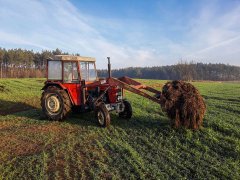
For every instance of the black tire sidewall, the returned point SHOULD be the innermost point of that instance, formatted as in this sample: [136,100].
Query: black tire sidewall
[127,113]
[59,116]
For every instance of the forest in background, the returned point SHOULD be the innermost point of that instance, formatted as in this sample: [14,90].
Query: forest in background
[181,71]
[20,63]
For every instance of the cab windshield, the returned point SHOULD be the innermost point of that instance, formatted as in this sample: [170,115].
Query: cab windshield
[88,71]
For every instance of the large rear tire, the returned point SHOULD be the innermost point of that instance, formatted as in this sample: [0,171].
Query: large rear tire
[102,115]
[56,104]
[127,112]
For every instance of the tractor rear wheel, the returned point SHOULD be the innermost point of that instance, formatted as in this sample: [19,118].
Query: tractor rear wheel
[127,112]
[55,103]
[102,115]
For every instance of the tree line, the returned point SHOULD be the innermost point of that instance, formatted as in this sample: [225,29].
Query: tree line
[181,71]
[20,63]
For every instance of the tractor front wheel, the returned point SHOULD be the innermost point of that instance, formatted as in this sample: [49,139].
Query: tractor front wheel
[55,103]
[102,115]
[127,112]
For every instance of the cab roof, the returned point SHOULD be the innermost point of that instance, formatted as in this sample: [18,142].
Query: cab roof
[73,58]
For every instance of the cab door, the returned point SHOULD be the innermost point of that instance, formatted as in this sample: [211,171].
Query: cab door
[71,80]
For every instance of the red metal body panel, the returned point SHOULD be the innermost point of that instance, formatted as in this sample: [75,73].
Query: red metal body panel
[74,90]
[112,94]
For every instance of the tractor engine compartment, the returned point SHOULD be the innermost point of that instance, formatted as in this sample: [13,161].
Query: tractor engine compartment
[112,98]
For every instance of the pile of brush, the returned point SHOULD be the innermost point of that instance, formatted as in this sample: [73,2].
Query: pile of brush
[183,104]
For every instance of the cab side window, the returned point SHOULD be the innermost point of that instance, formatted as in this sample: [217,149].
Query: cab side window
[88,71]
[55,70]
[83,70]
[70,73]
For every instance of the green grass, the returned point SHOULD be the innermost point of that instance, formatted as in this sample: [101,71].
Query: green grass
[146,147]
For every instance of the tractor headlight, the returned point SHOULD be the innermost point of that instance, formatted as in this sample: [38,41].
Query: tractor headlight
[119,94]
[119,98]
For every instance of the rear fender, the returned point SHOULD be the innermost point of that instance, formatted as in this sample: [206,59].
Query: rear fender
[60,86]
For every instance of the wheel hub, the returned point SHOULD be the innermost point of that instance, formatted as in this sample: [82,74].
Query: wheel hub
[100,117]
[53,103]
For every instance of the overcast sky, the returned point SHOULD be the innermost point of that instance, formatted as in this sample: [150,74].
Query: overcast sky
[131,32]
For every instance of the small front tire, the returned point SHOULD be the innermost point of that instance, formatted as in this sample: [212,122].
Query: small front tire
[127,112]
[102,115]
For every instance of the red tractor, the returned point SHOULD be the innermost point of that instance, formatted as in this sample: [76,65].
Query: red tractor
[72,84]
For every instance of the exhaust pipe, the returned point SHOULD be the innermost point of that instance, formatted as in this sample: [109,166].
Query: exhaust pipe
[109,68]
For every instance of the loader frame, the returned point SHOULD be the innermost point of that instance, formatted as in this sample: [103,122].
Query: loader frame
[136,88]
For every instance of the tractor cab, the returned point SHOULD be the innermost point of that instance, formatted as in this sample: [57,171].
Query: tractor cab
[71,69]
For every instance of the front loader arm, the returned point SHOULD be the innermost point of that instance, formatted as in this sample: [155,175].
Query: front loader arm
[135,87]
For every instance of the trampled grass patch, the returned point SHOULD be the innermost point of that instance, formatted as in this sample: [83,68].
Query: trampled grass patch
[145,147]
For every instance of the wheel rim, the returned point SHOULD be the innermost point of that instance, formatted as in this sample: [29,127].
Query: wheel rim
[100,116]
[53,104]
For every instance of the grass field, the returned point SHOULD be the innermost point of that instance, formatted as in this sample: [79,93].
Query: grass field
[145,147]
